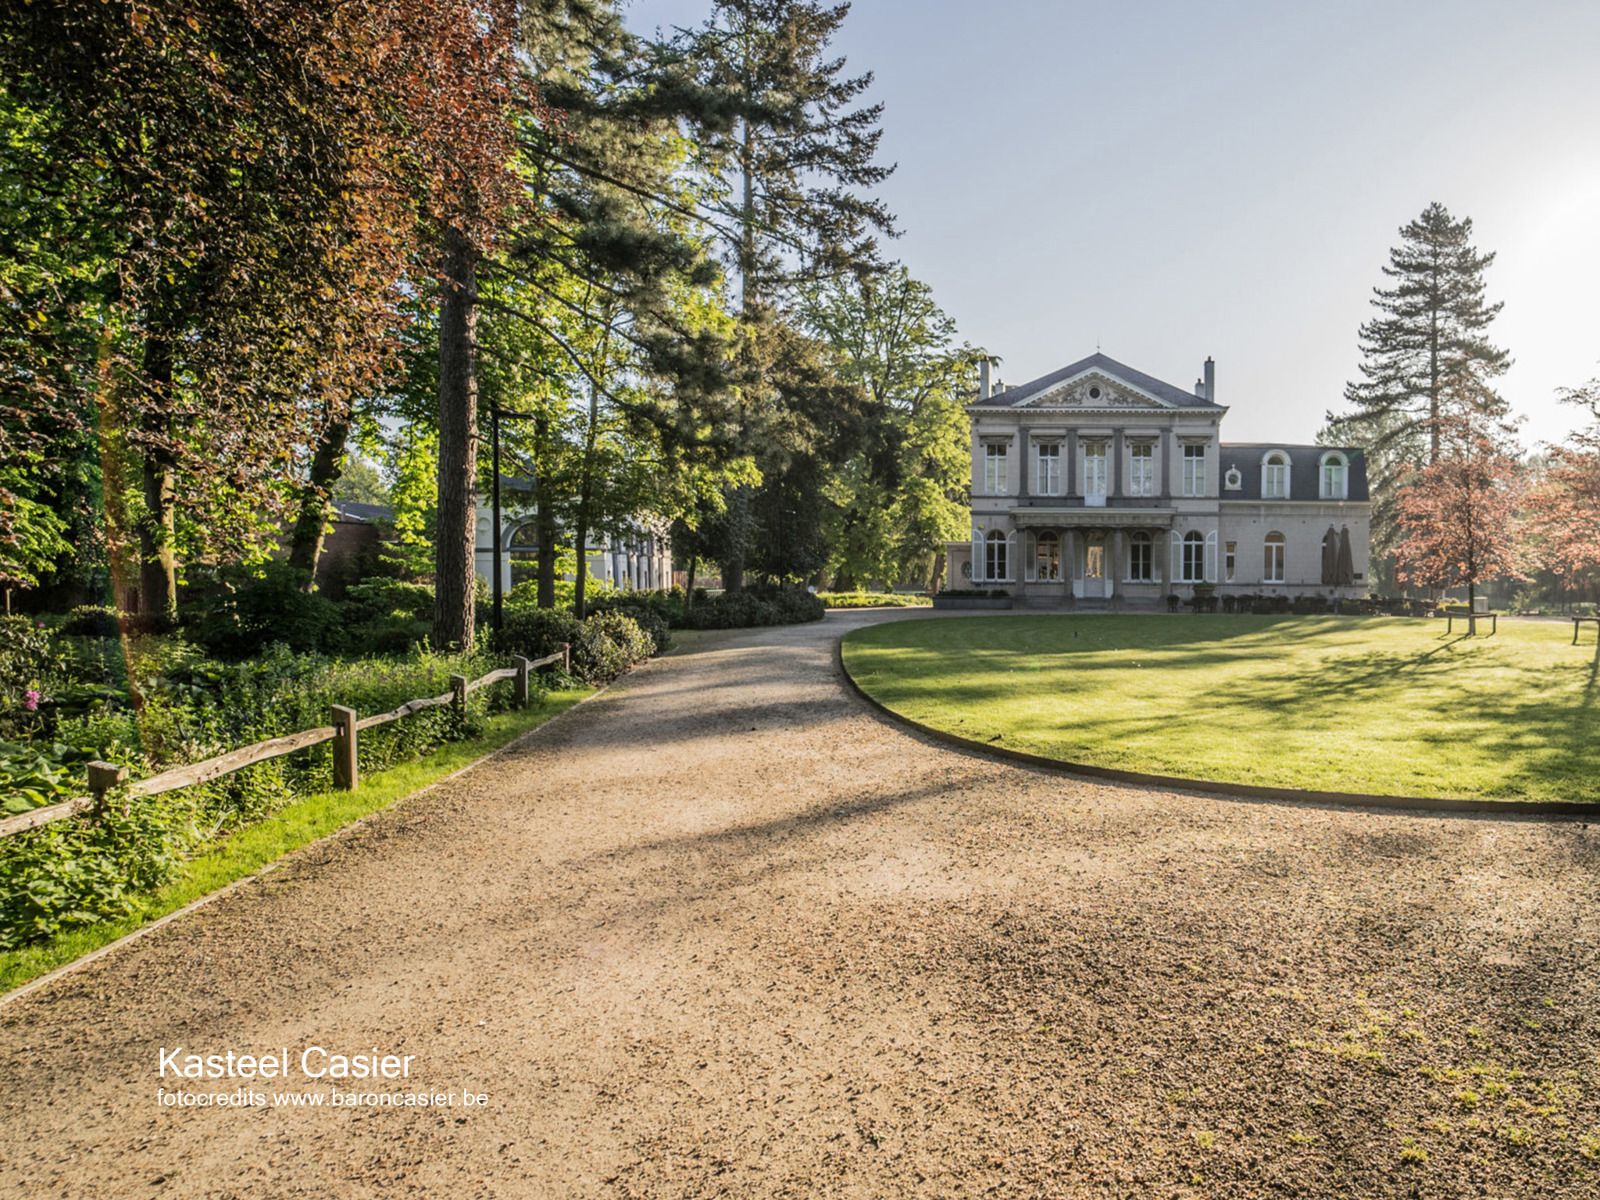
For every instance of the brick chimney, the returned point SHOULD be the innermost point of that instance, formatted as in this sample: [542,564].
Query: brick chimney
[1211,380]
[985,385]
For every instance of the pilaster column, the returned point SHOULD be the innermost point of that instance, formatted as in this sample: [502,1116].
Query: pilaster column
[1072,462]
[1167,465]
[1024,453]
[1069,559]
[1116,463]
[1114,553]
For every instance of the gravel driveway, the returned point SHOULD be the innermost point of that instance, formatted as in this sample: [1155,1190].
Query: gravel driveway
[723,932]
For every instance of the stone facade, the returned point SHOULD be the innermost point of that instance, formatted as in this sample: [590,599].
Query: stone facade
[1100,486]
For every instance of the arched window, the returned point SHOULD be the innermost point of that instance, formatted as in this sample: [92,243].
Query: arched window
[1335,476]
[1049,557]
[1273,558]
[994,565]
[1194,558]
[1141,558]
[1275,475]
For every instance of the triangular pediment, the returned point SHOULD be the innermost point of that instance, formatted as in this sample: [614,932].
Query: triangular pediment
[1094,389]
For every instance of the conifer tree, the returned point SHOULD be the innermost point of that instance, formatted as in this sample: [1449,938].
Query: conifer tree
[1427,361]
[790,176]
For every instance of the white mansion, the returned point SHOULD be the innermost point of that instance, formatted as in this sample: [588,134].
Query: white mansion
[1098,485]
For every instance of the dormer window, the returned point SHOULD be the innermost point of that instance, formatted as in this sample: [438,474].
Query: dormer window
[1335,476]
[1233,480]
[1275,475]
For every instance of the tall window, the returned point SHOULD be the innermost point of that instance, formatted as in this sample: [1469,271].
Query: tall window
[1272,558]
[994,468]
[1193,565]
[994,562]
[1141,469]
[1335,477]
[1048,481]
[1230,559]
[1194,470]
[1141,559]
[1275,476]
[1048,557]
[1094,469]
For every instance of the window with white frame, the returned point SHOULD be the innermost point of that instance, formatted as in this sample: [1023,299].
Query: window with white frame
[1194,470]
[1273,558]
[1275,476]
[995,565]
[1047,557]
[1047,479]
[1141,558]
[1141,469]
[1335,477]
[994,468]
[1192,566]
[1094,469]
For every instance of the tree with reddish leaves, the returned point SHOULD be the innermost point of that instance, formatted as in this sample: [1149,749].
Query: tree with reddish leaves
[1563,520]
[1457,517]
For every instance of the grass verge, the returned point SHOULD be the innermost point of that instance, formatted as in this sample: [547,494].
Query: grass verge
[251,849]
[1386,706]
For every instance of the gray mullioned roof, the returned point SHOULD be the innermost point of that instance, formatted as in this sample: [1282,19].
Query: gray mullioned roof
[1180,397]
[1305,469]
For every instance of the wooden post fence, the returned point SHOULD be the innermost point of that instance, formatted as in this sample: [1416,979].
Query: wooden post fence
[343,732]
[346,771]
[104,776]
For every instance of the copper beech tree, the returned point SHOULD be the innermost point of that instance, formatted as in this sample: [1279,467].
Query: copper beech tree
[1563,520]
[1457,517]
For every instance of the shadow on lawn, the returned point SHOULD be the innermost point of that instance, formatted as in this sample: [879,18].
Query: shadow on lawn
[1540,723]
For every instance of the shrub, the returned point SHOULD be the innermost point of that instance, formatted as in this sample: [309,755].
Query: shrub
[655,612]
[386,616]
[93,621]
[754,606]
[253,608]
[607,644]
[535,632]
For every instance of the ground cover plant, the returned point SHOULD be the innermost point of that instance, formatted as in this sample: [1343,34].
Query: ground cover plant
[1378,705]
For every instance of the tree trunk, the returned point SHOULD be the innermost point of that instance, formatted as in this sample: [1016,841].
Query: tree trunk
[305,542]
[688,593]
[456,543]
[585,494]
[549,537]
[158,561]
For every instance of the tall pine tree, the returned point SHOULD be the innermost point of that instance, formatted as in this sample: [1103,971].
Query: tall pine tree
[790,177]
[1427,362]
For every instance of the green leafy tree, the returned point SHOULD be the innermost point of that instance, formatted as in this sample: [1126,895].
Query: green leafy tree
[903,491]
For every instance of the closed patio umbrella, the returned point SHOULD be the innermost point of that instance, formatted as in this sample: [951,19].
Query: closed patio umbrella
[1345,575]
[1330,556]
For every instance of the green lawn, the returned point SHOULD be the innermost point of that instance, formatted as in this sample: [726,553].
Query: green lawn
[1383,705]
[258,845]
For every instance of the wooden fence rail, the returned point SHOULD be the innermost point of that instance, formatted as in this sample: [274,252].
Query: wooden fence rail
[343,732]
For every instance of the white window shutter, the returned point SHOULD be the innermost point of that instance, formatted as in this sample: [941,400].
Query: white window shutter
[977,556]
[1030,557]
[1175,542]
[1211,557]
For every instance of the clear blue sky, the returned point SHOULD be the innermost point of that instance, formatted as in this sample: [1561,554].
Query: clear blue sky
[1181,179]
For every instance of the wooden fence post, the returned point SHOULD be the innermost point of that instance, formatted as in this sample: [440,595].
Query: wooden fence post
[521,684]
[346,772]
[458,695]
[566,658]
[104,776]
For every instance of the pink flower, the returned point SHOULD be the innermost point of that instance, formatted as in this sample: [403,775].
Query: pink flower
[30,700]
